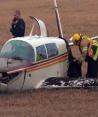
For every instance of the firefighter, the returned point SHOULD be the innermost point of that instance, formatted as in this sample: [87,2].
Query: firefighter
[89,53]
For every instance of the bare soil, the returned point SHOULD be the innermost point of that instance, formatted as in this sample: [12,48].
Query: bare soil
[76,16]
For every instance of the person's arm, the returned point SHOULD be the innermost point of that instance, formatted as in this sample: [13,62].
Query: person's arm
[90,51]
[83,50]
[13,25]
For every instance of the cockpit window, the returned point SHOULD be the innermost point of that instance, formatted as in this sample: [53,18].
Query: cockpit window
[41,53]
[52,50]
[18,49]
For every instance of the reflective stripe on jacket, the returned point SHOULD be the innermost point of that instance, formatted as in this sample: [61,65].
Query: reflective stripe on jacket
[95,50]
[89,47]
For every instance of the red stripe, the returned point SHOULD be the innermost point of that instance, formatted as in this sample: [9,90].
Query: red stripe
[42,64]
[46,64]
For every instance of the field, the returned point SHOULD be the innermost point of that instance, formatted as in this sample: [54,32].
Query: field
[76,16]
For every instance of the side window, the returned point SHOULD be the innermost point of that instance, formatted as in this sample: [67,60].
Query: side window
[41,52]
[52,49]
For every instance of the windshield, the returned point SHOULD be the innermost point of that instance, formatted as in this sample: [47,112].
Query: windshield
[18,49]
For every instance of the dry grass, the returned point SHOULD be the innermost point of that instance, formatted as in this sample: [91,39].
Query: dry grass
[49,103]
[76,16]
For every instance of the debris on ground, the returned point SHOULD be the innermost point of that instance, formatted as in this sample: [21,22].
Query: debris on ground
[74,83]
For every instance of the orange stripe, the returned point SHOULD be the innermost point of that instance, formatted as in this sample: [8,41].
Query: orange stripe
[43,64]
[49,61]
[46,64]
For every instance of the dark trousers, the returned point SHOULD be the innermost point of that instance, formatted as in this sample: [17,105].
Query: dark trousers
[74,70]
[92,69]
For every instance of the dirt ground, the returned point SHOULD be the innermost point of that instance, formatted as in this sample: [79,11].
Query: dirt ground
[50,103]
[76,16]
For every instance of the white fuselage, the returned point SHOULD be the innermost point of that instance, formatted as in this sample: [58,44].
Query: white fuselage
[50,59]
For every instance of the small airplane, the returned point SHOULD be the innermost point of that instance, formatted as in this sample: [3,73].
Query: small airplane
[27,62]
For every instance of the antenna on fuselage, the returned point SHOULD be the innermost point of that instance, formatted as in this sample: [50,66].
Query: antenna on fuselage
[58,20]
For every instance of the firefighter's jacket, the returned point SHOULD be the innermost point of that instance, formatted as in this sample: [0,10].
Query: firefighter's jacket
[89,47]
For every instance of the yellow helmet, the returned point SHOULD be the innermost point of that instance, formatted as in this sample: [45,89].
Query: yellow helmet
[76,37]
[94,41]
